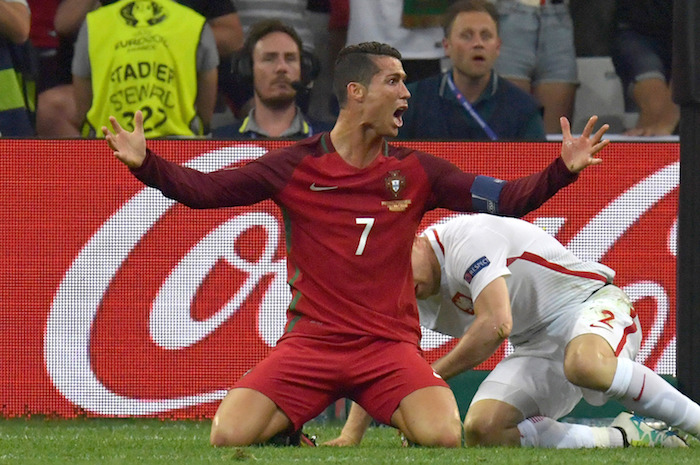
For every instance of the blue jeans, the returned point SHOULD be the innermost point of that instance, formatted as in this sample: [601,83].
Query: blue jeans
[537,43]
[637,57]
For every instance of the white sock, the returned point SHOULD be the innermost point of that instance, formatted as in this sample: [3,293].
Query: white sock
[546,432]
[643,391]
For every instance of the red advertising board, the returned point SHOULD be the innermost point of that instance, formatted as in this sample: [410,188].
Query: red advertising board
[118,302]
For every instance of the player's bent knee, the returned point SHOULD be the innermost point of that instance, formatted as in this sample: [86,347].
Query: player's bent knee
[234,433]
[452,436]
[584,370]
[576,368]
[444,434]
[482,431]
[590,362]
[447,436]
[220,437]
[246,417]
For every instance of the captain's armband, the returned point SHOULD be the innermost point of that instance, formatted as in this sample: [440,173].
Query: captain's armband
[485,194]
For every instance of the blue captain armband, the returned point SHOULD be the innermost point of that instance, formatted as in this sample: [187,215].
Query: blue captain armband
[485,194]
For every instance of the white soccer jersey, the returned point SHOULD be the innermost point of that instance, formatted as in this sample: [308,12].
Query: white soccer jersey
[544,279]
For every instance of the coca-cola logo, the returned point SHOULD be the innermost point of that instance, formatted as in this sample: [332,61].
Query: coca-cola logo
[171,351]
[86,284]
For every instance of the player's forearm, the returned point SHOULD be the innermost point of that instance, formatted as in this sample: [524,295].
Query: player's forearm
[477,345]
[195,189]
[525,194]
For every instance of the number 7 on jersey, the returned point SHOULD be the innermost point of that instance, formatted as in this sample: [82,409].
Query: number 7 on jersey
[368,222]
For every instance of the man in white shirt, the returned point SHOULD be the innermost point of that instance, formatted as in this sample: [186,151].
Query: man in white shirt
[575,335]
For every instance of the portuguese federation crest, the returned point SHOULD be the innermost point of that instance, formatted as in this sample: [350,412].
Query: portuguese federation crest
[395,183]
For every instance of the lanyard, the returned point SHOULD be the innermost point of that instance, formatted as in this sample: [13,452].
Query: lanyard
[489,132]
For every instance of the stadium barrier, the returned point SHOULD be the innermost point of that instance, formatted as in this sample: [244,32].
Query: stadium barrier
[118,302]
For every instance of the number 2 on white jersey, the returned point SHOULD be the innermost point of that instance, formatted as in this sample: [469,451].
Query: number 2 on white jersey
[368,222]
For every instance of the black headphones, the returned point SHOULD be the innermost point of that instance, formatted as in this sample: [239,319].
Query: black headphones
[242,67]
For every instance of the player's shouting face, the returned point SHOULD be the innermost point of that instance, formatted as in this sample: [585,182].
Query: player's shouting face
[386,97]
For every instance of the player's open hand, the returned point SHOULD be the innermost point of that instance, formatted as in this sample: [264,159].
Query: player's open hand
[128,147]
[579,153]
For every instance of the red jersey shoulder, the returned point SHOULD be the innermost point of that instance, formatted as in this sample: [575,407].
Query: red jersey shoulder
[400,152]
[313,145]
[288,157]
[424,158]
[277,166]
[431,164]
[310,146]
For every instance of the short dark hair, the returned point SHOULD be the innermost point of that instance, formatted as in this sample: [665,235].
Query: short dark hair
[466,6]
[355,63]
[268,26]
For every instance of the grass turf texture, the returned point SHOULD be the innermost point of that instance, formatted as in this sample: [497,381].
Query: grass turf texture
[131,441]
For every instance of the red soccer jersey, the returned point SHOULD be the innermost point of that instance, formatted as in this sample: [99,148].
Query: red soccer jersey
[349,231]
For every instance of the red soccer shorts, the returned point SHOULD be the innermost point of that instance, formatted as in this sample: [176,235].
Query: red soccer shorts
[305,374]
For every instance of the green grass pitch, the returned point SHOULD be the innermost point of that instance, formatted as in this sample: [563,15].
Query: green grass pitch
[148,441]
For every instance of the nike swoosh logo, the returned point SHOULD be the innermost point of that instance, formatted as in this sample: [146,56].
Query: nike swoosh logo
[644,381]
[316,188]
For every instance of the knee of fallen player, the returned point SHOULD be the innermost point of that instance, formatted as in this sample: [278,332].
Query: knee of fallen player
[219,438]
[228,435]
[440,434]
[589,369]
[484,430]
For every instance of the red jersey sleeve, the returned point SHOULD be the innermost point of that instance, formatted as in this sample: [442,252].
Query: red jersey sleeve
[256,181]
[452,188]
[523,195]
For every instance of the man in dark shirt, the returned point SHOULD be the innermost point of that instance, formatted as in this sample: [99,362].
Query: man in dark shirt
[275,63]
[471,101]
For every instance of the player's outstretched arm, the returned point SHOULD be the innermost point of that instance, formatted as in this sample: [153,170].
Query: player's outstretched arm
[355,426]
[128,147]
[578,153]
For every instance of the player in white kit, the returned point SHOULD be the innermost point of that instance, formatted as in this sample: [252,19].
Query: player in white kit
[483,279]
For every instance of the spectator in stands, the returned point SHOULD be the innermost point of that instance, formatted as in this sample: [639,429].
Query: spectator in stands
[538,54]
[292,13]
[17,100]
[274,61]
[222,17]
[328,21]
[55,24]
[641,52]
[471,101]
[417,36]
[156,56]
